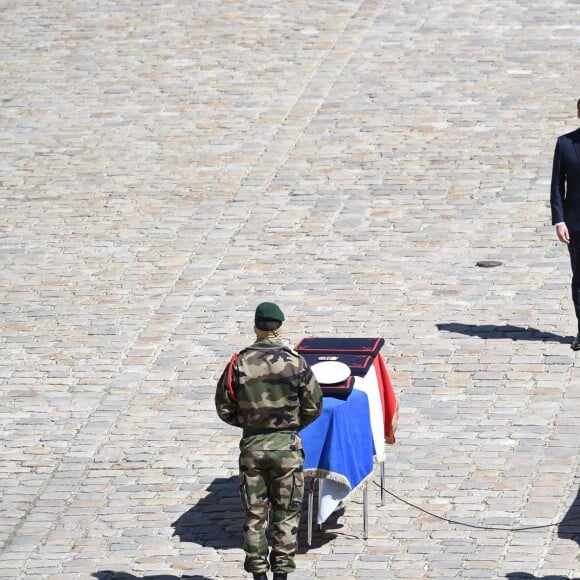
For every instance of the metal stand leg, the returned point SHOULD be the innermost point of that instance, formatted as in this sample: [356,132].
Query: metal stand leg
[382,483]
[310,509]
[365,512]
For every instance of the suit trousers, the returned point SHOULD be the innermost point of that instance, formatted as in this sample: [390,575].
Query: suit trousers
[574,249]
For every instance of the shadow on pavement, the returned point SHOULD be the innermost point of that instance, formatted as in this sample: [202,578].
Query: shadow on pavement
[525,576]
[569,529]
[506,331]
[320,534]
[109,575]
[216,520]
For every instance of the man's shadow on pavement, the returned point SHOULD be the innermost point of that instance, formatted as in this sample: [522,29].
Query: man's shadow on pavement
[569,529]
[526,576]
[505,331]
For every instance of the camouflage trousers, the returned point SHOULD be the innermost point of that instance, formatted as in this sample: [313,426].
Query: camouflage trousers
[271,478]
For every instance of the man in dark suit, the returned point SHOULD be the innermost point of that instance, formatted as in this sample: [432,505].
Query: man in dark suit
[565,203]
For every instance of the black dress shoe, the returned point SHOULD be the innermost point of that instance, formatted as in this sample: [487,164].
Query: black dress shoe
[260,576]
[576,343]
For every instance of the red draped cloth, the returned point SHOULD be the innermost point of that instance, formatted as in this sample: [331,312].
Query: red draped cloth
[388,399]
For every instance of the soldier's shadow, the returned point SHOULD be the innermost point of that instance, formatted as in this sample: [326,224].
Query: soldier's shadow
[217,520]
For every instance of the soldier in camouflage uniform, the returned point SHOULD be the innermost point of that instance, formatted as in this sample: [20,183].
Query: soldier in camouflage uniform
[269,391]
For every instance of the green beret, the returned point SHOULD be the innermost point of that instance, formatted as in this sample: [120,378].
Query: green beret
[268,316]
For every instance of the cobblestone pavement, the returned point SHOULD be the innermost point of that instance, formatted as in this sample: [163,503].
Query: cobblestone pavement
[165,166]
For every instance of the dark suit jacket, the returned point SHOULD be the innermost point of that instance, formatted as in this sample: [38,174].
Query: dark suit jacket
[565,190]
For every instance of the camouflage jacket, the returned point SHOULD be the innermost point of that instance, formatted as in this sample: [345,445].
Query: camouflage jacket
[269,388]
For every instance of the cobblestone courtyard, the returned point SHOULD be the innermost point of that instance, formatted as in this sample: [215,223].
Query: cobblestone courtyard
[165,166]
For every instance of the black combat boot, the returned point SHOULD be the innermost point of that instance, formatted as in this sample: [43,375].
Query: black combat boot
[280,576]
[260,576]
